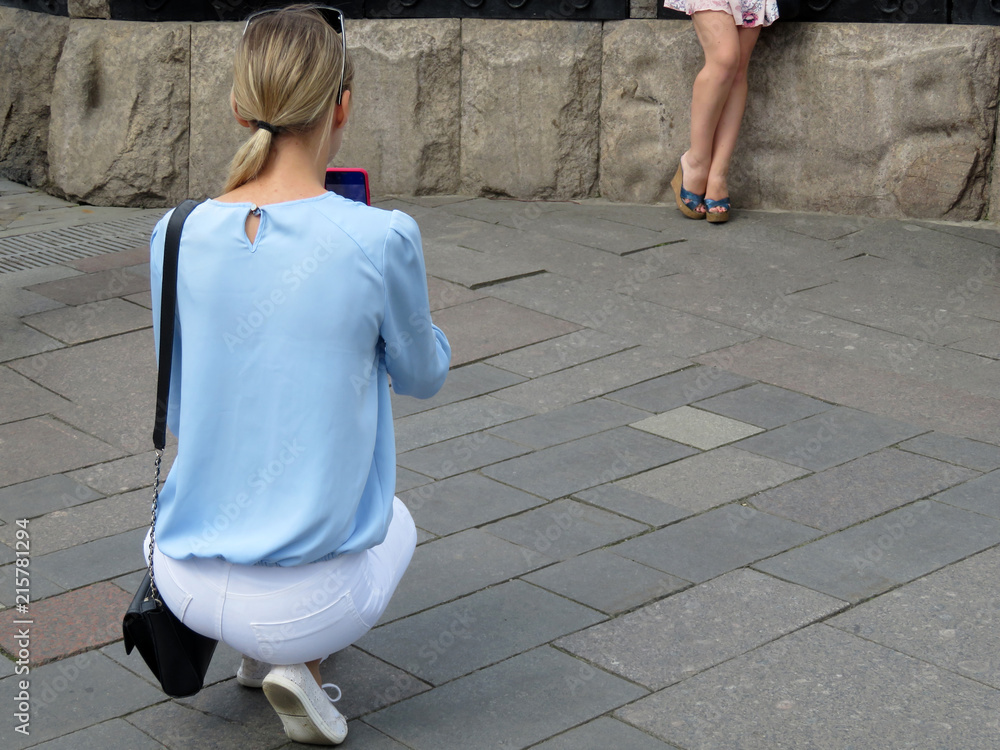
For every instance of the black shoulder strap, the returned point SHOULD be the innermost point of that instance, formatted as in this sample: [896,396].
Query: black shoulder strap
[168,305]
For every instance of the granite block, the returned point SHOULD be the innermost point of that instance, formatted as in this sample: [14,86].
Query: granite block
[821,688]
[179,727]
[568,423]
[709,479]
[41,446]
[969,453]
[457,565]
[649,510]
[368,683]
[516,703]
[93,287]
[17,341]
[715,542]
[124,474]
[981,495]
[701,429]
[407,480]
[598,459]
[93,561]
[107,261]
[594,231]
[877,555]
[69,623]
[487,327]
[94,320]
[64,700]
[41,587]
[452,420]
[81,523]
[860,489]
[947,618]
[442,294]
[605,581]
[114,733]
[833,437]
[461,454]
[22,399]
[604,732]
[679,388]
[564,529]
[471,268]
[687,633]
[464,501]
[463,636]
[40,496]
[462,383]
[590,379]
[764,405]
[248,709]
[559,353]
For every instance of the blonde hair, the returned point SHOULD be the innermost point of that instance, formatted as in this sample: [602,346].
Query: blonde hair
[286,74]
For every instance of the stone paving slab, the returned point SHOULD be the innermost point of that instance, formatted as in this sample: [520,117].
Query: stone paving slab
[178,726]
[114,733]
[94,320]
[559,353]
[825,689]
[484,628]
[764,405]
[981,495]
[833,437]
[715,542]
[77,621]
[707,480]
[518,702]
[64,698]
[860,489]
[93,287]
[486,327]
[564,529]
[461,454]
[701,429]
[969,453]
[451,420]
[23,399]
[41,496]
[569,423]
[591,379]
[877,555]
[605,581]
[580,464]
[948,619]
[463,383]
[463,502]
[37,447]
[604,733]
[671,391]
[95,560]
[645,508]
[671,640]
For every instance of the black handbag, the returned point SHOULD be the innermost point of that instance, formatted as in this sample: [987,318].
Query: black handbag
[177,656]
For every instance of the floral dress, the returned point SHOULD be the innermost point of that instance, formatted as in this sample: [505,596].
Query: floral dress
[746,13]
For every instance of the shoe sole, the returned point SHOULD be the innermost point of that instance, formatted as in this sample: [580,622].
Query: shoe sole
[249,681]
[299,718]
[717,217]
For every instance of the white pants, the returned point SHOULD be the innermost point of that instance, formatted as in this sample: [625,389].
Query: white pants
[294,614]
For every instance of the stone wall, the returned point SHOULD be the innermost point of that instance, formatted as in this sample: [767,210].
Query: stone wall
[880,120]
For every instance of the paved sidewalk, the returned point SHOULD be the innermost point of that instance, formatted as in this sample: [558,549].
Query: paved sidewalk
[687,486]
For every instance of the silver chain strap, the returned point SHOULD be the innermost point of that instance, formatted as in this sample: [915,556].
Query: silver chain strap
[152,527]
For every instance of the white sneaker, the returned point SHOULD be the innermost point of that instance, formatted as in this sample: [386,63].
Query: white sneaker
[306,711]
[251,673]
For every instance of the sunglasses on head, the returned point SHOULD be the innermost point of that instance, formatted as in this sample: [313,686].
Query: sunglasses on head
[333,16]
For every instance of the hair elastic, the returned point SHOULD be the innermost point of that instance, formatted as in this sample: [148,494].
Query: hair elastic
[267,126]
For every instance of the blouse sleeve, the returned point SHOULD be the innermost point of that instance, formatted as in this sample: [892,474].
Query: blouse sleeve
[417,353]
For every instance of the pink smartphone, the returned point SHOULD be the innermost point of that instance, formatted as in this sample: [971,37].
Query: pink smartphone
[351,183]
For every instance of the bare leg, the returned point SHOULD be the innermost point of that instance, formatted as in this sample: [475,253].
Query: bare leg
[720,41]
[728,127]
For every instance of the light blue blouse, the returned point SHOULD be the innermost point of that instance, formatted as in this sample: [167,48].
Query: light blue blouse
[279,394]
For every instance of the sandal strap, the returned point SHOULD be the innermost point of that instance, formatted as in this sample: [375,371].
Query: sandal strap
[691,200]
[722,203]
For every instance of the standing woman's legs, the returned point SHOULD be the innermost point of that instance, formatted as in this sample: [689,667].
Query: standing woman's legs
[728,127]
[720,41]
